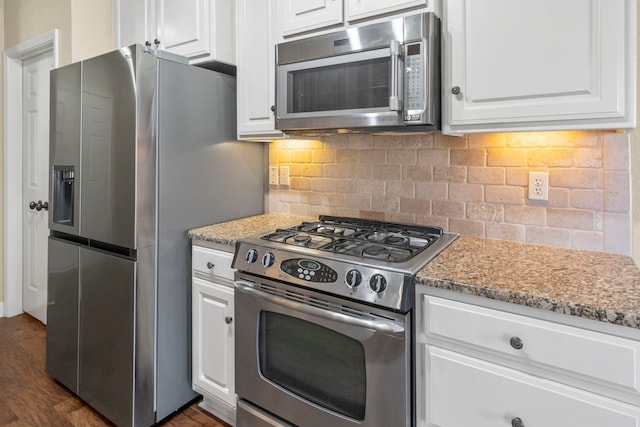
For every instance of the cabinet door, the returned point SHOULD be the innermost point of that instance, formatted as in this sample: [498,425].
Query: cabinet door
[184,27]
[297,16]
[134,22]
[256,69]
[463,391]
[213,342]
[360,9]
[544,65]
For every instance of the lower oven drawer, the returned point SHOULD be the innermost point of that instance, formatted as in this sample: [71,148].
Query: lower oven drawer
[464,391]
[248,415]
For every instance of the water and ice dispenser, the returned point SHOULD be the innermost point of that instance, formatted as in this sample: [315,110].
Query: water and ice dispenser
[63,183]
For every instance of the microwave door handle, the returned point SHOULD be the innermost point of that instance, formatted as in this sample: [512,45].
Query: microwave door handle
[395,84]
[381,326]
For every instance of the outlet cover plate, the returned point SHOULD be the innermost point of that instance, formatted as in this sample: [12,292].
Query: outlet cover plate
[538,185]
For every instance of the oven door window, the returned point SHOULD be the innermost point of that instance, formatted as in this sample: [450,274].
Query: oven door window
[318,364]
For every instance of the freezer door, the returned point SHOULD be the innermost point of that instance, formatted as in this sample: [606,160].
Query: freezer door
[64,149]
[109,148]
[62,313]
[106,355]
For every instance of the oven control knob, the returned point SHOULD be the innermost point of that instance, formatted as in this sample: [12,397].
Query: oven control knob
[378,283]
[268,259]
[252,256]
[353,278]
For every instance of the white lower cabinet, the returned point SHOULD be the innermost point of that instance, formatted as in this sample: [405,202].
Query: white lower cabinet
[481,366]
[213,370]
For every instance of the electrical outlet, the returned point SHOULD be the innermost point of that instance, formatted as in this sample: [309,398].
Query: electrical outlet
[538,186]
[273,175]
[284,175]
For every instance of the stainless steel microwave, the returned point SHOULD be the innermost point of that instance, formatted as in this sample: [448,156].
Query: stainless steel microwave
[382,76]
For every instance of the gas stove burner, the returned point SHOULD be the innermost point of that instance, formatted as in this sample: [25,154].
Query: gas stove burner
[397,240]
[377,252]
[301,239]
[387,238]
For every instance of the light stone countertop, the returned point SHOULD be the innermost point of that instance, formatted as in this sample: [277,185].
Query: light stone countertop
[592,285]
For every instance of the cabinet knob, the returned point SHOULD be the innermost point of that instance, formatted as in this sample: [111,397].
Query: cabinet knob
[517,422]
[516,343]
[156,42]
[210,265]
[228,321]
[455,90]
[273,108]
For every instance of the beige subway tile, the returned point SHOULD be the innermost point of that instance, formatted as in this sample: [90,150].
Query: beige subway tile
[402,156]
[433,221]
[363,171]
[549,236]
[416,173]
[284,157]
[401,217]
[468,157]
[300,156]
[336,142]
[558,198]
[358,201]
[377,157]
[485,212]
[588,157]
[617,192]
[486,175]
[504,194]
[300,209]
[417,140]
[385,203]
[587,199]
[348,212]
[312,170]
[297,183]
[466,192]
[289,196]
[332,199]
[295,169]
[587,240]
[448,209]
[487,140]
[387,172]
[519,176]
[466,227]
[616,151]
[573,178]
[375,215]
[528,215]
[387,141]
[346,156]
[360,141]
[337,171]
[371,186]
[415,206]
[506,157]
[323,156]
[346,186]
[501,231]
[321,210]
[432,190]
[450,174]
[617,233]
[571,218]
[553,139]
[400,188]
[323,185]
[550,157]
[311,198]
[433,157]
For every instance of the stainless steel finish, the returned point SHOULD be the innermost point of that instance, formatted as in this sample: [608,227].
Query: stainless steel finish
[388,356]
[455,90]
[517,422]
[62,312]
[381,326]
[151,128]
[388,39]
[516,343]
[251,416]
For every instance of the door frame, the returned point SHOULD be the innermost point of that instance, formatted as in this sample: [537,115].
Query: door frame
[12,210]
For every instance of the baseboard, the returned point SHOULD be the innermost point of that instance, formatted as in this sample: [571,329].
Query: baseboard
[1,309]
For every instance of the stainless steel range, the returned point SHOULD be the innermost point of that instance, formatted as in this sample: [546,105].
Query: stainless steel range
[324,322]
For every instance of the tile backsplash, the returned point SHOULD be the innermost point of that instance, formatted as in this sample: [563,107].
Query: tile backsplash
[474,185]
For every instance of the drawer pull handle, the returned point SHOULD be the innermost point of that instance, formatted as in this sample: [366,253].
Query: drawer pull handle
[517,422]
[228,320]
[210,265]
[517,344]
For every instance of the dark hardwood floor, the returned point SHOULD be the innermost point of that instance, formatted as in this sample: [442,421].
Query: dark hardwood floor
[30,397]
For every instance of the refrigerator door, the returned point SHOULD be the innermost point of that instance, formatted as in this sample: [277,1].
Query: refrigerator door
[62,313]
[109,148]
[64,149]
[106,355]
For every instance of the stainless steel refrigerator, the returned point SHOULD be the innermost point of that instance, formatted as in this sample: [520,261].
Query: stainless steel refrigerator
[142,149]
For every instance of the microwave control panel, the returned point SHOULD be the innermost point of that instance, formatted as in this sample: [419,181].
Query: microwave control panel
[414,87]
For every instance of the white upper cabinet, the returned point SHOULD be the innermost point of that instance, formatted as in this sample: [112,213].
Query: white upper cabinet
[255,58]
[361,9]
[512,65]
[201,30]
[297,16]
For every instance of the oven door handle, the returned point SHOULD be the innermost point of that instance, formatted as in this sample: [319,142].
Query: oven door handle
[388,328]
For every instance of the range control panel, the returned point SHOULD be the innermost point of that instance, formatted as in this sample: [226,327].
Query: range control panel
[309,270]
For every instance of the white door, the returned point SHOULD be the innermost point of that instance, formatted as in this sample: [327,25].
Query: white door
[297,16]
[184,27]
[35,182]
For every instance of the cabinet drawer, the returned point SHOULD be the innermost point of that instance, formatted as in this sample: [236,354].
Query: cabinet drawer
[463,391]
[213,262]
[588,355]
